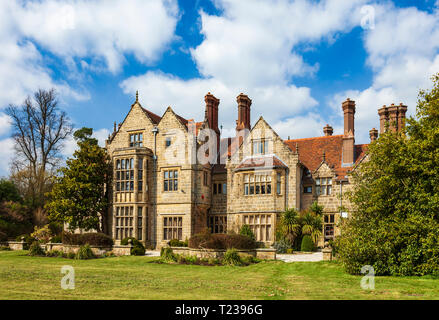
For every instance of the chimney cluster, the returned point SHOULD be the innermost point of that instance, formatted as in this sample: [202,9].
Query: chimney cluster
[244,104]
[392,117]
[211,114]
[348,155]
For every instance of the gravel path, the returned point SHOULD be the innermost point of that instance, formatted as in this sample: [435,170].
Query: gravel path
[307,257]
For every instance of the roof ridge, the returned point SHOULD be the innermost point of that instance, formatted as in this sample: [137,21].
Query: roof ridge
[323,137]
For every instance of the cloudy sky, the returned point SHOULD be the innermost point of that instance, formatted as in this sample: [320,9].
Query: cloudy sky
[297,59]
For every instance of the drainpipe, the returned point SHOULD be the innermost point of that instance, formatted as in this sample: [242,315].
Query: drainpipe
[155,131]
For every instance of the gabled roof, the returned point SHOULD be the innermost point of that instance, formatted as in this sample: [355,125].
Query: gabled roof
[311,152]
[154,118]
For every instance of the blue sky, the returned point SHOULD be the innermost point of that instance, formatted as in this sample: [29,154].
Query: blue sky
[297,59]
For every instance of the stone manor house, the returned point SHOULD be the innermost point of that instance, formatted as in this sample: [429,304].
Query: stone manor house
[162,189]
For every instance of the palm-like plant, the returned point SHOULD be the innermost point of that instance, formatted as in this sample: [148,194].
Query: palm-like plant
[289,224]
[312,225]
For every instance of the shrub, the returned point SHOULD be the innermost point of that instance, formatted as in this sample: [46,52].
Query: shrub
[181,259]
[138,248]
[282,246]
[232,258]
[167,254]
[221,241]
[3,237]
[214,261]
[85,253]
[290,251]
[247,231]
[36,250]
[138,251]
[56,253]
[42,234]
[56,239]
[177,243]
[56,228]
[5,248]
[247,260]
[70,255]
[27,238]
[192,260]
[93,239]
[307,244]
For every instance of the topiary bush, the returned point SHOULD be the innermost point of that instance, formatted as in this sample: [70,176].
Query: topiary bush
[85,253]
[36,250]
[307,244]
[247,231]
[138,247]
[138,251]
[232,258]
[93,239]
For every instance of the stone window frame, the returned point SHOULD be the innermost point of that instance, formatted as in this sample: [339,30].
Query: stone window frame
[220,188]
[217,223]
[167,178]
[175,228]
[124,222]
[260,146]
[252,181]
[136,139]
[328,224]
[327,186]
[305,190]
[259,222]
[124,175]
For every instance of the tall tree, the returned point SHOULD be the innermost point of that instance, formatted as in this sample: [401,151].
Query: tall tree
[39,130]
[395,224]
[79,196]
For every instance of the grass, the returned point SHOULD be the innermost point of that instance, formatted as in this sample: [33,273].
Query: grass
[131,277]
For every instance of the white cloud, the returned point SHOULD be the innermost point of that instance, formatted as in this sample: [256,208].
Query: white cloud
[251,48]
[403,53]
[102,29]
[5,124]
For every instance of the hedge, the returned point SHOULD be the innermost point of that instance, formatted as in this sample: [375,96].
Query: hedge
[93,239]
[222,241]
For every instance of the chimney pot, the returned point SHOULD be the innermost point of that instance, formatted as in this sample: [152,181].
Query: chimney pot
[328,130]
[373,135]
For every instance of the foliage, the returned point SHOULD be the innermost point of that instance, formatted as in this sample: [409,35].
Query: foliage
[56,239]
[15,219]
[85,253]
[27,238]
[232,258]
[3,236]
[93,239]
[167,254]
[56,253]
[43,235]
[311,225]
[395,224]
[307,244]
[177,243]
[78,197]
[36,250]
[316,209]
[5,248]
[289,225]
[8,191]
[282,245]
[247,231]
[39,130]
[207,240]
[138,248]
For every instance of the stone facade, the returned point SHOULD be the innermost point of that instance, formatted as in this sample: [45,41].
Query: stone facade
[167,184]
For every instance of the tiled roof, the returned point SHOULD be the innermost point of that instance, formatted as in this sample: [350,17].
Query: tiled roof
[311,152]
[155,118]
[261,162]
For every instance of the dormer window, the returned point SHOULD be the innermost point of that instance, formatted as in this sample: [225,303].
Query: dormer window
[136,140]
[260,146]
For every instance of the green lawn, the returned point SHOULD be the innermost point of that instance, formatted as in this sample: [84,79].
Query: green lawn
[24,277]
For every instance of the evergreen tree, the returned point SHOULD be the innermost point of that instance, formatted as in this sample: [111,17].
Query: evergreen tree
[79,195]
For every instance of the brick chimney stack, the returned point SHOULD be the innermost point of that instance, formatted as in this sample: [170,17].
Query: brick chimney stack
[349,133]
[373,135]
[328,130]
[211,114]
[244,104]
[393,117]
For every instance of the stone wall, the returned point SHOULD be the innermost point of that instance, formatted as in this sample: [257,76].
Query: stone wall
[265,254]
